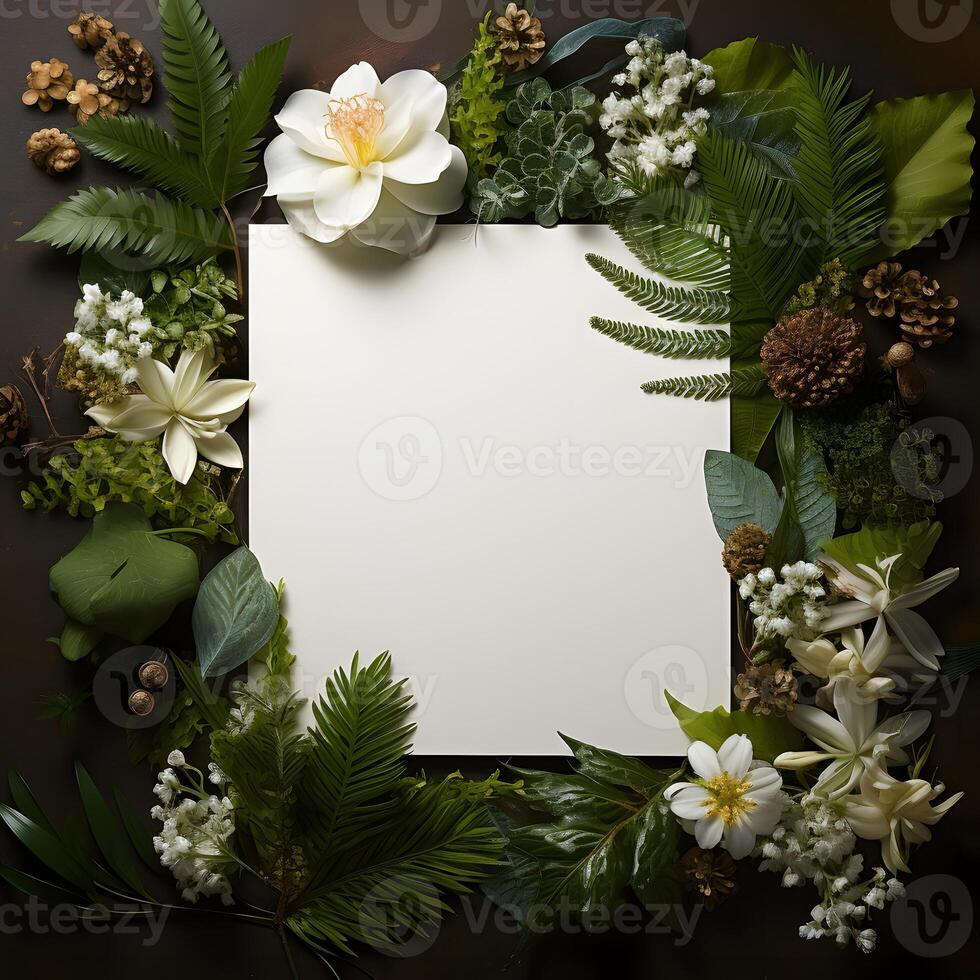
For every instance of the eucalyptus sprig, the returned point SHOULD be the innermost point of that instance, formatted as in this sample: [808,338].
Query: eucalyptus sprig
[218,120]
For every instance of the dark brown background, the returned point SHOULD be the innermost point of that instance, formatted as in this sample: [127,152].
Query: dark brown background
[757,933]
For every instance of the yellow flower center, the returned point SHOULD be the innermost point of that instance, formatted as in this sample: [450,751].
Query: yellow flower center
[726,798]
[355,123]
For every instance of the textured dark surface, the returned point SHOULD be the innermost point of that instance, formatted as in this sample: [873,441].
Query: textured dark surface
[756,933]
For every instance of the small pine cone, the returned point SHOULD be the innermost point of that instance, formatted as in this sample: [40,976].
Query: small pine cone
[86,100]
[125,68]
[53,151]
[767,689]
[90,31]
[709,873]
[47,83]
[813,357]
[926,315]
[13,415]
[879,287]
[519,38]
[745,550]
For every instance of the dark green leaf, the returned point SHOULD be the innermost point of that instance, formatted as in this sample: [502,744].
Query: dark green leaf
[138,835]
[46,847]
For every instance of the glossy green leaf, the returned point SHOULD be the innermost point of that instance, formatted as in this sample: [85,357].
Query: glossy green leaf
[927,150]
[752,421]
[24,800]
[77,640]
[739,493]
[236,613]
[750,64]
[769,735]
[46,847]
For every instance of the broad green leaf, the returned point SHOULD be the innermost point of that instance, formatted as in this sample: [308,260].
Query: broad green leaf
[927,149]
[915,544]
[769,735]
[620,770]
[151,227]
[196,75]
[752,421]
[24,800]
[739,493]
[656,874]
[77,640]
[46,847]
[113,277]
[138,144]
[234,159]
[750,64]
[108,832]
[122,578]
[137,833]
[236,613]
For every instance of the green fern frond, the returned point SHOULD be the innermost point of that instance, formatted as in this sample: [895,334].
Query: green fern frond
[666,343]
[196,75]
[841,188]
[699,306]
[675,251]
[745,382]
[138,144]
[235,158]
[157,229]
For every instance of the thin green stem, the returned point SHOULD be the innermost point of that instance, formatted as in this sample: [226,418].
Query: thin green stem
[284,939]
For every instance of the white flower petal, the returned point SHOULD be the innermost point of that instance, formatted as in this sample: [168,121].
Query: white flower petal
[219,398]
[917,636]
[764,783]
[925,590]
[346,197]
[193,369]
[180,451]
[303,120]
[735,755]
[301,215]
[739,840]
[800,760]
[223,450]
[708,831]
[395,227]
[156,380]
[826,731]
[704,760]
[138,412]
[441,197]
[422,90]
[689,803]
[359,79]
[763,819]
[291,169]
[876,650]
[857,715]
[419,161]
[851,612]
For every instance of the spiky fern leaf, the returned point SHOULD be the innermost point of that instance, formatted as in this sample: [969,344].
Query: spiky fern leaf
[138,144]
[666,343]
[744,382]
[196,75]
[841,189]
[153,227]
[678,303]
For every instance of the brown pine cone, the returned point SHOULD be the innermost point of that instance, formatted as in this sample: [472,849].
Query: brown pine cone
[47,83]
[813,357]
[767,689]
[86,100]
[926,315]
[745,550]
[53,151]
[90,31]
[879,287]
[519,38]
[13,415]
[125,68]
[711,874]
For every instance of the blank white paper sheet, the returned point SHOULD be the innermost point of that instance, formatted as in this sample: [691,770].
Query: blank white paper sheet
[447,462]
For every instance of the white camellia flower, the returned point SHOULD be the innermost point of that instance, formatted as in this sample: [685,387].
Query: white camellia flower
[367,158]
[853,743]
[733,802]
[873,597]
[898,814]
[190,411]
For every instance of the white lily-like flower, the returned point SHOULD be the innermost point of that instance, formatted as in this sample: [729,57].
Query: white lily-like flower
[873,665]
[367,158]
[190,411]
[734,801]
[853,743]
[898,814]
[874,598]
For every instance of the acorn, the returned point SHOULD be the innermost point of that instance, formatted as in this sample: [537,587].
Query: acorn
[154,675]
[142,703]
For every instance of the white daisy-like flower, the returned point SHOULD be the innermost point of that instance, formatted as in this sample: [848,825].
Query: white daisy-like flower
[368,158]
[735,799]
